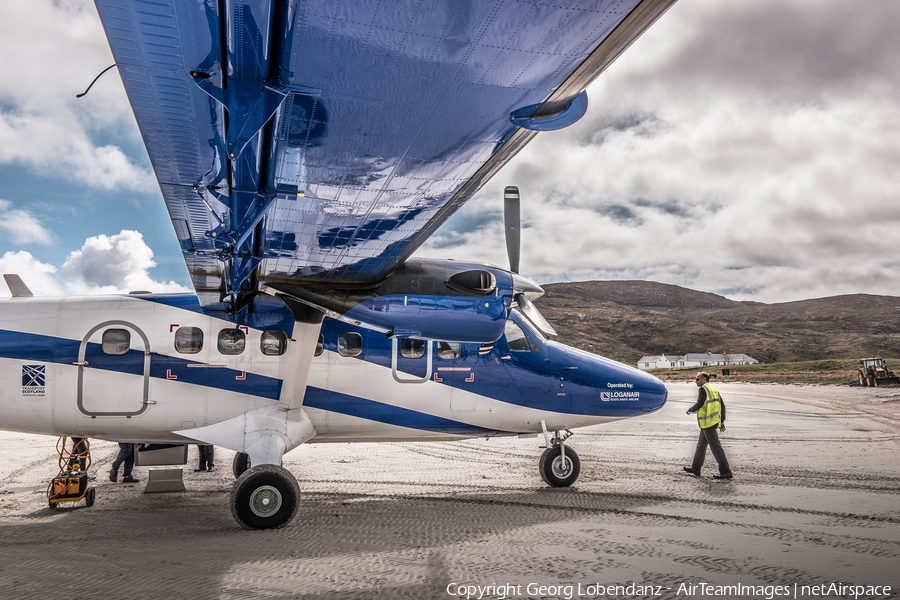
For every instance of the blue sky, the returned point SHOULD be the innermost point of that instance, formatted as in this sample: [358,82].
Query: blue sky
[746,148]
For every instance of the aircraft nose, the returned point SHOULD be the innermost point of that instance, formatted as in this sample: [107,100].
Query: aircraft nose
[614,389]
[655,394]
[626,391]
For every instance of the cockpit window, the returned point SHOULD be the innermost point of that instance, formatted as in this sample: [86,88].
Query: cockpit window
[516,339]
[534,330]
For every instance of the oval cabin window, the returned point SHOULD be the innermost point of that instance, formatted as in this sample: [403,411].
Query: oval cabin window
[188,340]
[116,341]
[350,344]
[273,342]
[231,341]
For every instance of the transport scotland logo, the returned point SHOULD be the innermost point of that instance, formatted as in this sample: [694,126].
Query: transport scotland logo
[34,378]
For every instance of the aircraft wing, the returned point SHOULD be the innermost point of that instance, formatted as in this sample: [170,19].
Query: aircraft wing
[323,141]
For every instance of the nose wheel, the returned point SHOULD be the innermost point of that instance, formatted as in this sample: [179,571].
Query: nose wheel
[559,464]
[265,497]
[558,470]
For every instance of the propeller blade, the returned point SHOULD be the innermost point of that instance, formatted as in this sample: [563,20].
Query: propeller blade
[511,225]
[533,314]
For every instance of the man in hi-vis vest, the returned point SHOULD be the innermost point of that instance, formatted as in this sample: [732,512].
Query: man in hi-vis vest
[710,409]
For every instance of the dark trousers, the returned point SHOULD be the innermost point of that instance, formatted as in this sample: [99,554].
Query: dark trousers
[710,437]
[126,455]
[207,455]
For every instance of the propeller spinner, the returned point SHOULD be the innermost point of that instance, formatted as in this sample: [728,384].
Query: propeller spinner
[523,288]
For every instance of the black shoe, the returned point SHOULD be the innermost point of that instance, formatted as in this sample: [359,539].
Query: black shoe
[723,476]
[197,470]
[691,471]
[210,470]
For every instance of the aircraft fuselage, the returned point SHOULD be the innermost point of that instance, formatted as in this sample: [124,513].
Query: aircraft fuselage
[154,368]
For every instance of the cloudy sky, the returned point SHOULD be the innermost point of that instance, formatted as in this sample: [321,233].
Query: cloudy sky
[748,148]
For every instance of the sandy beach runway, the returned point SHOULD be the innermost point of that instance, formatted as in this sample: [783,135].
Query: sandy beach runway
[814,502]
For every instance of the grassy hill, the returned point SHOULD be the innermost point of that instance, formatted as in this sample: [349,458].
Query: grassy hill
[625,320]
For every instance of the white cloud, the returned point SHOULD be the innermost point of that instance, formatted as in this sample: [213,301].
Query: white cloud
[22,227]
[113,264]
[725,151]
[42,125]
[36,275]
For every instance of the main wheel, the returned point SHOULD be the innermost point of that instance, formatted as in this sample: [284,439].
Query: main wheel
[240,464]
[265,497]
[556,472]
[89,496]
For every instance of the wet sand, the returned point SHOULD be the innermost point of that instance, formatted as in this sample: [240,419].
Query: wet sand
[814,501]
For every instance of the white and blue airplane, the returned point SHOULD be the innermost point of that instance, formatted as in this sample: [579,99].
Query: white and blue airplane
[305,149]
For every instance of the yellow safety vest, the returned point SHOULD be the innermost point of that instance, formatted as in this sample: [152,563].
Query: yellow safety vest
[710,414]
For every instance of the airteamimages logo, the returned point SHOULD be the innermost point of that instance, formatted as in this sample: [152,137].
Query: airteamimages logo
[34,380]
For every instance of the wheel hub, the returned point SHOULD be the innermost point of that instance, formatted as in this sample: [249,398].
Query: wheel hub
[265,501]
[561,469]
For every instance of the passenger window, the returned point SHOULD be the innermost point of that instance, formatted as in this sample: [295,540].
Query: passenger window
[349,344]
[116,341]
[515,337]
[448,350]
[273,342]
[410,348]
[188,340]
[232,341]
[320,345]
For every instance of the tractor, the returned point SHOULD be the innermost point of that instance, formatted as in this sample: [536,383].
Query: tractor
[874,373]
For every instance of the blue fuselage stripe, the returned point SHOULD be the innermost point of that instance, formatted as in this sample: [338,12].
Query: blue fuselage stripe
[48,349]
[387,413]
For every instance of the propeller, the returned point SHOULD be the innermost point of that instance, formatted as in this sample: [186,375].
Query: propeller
[524,289]
[511,222]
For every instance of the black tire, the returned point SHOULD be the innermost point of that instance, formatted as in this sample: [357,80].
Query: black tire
[53,505]
[551,468]
[240,464]
[871,381]
[89,496]
[265,497]
[862,380]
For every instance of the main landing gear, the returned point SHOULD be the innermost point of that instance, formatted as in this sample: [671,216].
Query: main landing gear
[559,464]
[240,464]
[265,497]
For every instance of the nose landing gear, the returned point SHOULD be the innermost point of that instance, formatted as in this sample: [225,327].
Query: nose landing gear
[559,465]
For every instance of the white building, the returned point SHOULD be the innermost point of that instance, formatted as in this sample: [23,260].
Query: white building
[694,360]
[660,361]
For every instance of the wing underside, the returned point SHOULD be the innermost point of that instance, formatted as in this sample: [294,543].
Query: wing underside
[324,141]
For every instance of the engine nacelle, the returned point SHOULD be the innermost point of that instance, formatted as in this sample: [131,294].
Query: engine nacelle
[428,299]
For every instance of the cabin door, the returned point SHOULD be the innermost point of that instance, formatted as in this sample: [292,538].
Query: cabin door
[114,371]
